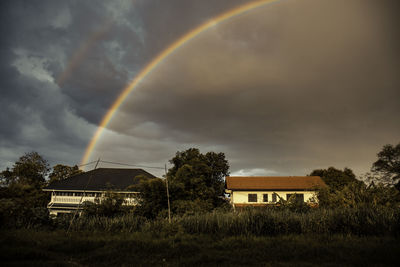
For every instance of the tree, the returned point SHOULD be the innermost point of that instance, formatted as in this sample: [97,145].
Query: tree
[198,177]
[152,198]
[336,179]
[388,163]
[22,200]
[110,206]
[62,172]
[30,169]
[6,177]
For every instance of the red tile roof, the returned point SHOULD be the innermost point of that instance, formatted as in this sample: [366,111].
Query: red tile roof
[273,182]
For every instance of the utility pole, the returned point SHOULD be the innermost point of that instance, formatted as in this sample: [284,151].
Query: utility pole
[166,182]
[83,194]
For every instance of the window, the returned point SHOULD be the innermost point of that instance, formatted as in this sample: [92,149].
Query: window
[265,197]
[252,197]
[274,197]
[299,198]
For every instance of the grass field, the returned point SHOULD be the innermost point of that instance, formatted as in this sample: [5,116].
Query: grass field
[57,248]
[256,237]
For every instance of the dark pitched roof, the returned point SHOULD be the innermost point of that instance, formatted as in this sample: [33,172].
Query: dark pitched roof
[101,179]
[273,182]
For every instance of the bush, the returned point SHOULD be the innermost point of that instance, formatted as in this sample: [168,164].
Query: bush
[110,206]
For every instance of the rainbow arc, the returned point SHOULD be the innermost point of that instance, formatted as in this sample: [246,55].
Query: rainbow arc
[159,58]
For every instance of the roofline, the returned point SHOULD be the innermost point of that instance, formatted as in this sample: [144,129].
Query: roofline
[282,176]
[284,189]
[96,191]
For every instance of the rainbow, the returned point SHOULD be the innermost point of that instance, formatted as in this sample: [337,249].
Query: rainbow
[81,53]
[159,58]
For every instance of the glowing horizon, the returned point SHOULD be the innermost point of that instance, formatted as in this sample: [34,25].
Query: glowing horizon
[159,58]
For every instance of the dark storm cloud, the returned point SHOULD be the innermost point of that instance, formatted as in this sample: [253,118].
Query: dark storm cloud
[283,89]
[62,64]
[134,35]
[297,86]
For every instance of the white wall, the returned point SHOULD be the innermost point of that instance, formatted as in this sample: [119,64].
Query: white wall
[241,197]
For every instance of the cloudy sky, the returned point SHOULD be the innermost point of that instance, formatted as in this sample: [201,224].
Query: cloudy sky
[282,89]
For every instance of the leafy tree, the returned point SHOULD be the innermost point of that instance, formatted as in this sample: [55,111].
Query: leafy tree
[21,196]
[388,163]
[336,179]
[30,169]
[62,172]
[6,177]
[355,194]
[152,198]
[109,206]
[198,177]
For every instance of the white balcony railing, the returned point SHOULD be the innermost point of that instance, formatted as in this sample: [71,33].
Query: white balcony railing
[71,199]
[80,199]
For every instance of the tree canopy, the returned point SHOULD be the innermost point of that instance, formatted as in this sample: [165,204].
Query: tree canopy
[62,172]
[388,163]
[152,199]
[196,184]
[30,169]
[336,179]
[22,200]
[198,177]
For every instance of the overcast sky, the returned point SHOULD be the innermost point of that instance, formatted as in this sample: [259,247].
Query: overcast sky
[282,90]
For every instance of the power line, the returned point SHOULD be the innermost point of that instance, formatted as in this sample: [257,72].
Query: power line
[87,163]
[132,165]
[83,194]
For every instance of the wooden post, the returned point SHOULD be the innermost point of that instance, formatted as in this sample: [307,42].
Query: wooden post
[166,182]
[83,194]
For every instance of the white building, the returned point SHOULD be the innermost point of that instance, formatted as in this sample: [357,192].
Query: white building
[68,195]
[263,190]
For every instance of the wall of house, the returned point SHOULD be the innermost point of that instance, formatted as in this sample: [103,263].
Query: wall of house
[241,197]
[71,197]
[77,198]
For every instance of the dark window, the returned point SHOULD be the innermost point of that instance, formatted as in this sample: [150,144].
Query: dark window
[274,197]
[298,197]
[265,197]
[252,197]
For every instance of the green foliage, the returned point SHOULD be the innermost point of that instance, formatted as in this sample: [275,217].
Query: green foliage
[362,220]
[190,207]
[62,172]
[388,163]
[6,177]
[23,206]
[267,222]
[109,206]
[152,197]
[30,169]
[293,204]
[336,179]
[355,194]
[23,203]
[197,177]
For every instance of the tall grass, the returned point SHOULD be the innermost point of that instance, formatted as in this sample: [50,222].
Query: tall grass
[268,222]
[258,222]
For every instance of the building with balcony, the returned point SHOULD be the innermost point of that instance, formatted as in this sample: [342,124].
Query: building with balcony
[68,195]
[264,190]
